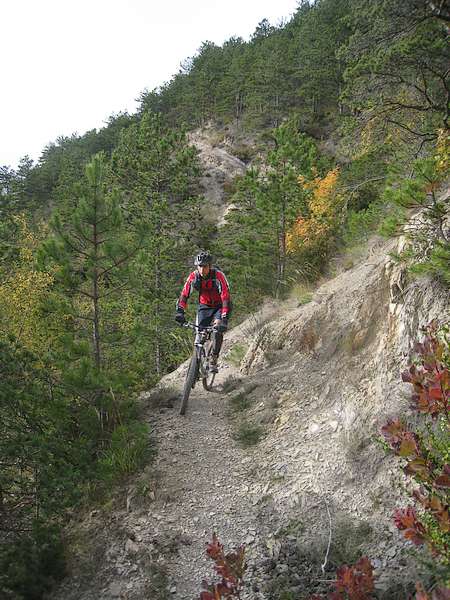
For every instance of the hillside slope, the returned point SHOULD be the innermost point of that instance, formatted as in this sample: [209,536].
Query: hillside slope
[318,379]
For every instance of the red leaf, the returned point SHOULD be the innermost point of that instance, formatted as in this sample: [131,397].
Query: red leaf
[442,481]
[441,594]
[421,594]
[435,392]
[406,520]
[418,467]
[355,581]
[408,446]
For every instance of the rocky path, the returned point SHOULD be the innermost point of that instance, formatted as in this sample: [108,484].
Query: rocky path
[204,476]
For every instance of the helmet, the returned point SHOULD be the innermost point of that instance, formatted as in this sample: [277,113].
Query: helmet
[202,259]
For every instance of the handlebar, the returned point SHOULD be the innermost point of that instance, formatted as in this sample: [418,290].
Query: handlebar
[197,327]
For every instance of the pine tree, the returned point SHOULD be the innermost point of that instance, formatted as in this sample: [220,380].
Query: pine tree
[158,171]
[90,254]
[267,202]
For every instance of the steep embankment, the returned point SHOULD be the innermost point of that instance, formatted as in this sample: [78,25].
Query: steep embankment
[317,380]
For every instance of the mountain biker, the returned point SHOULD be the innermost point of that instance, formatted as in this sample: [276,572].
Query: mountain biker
[214,300]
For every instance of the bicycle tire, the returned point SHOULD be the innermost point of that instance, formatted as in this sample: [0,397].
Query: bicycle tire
[189,382]
[208,380]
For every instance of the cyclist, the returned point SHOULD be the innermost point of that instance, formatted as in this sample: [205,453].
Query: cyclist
[214,300]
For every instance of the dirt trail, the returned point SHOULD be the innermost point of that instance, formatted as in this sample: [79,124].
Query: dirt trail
[205,475]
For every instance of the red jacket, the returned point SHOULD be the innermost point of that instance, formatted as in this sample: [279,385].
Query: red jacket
[214,290]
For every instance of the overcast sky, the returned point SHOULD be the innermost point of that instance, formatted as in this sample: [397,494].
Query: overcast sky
[69,64]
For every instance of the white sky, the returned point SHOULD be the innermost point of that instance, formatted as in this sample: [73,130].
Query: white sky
[69,64]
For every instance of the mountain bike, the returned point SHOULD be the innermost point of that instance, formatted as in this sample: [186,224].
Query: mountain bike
[199,365]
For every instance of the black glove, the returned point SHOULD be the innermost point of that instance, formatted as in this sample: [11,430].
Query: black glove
[179,316]
[223,325]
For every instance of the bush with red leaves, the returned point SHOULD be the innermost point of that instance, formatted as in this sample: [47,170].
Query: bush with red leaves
[230,567]
[352,583]
[425,449]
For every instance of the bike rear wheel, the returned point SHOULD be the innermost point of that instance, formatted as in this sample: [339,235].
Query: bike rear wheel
[189,383]
[208,377]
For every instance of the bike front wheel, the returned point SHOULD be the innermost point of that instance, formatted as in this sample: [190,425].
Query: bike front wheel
[189,383]
[207,376]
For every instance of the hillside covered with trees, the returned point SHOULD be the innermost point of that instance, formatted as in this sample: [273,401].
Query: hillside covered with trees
[341,117]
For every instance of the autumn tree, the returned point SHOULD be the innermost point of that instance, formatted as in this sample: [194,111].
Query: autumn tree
[311,236]
[24,289]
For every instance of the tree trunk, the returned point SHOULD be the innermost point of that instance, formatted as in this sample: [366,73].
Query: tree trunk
[95,299]
[276,120]
[96,323]
[281,266]
[158,307]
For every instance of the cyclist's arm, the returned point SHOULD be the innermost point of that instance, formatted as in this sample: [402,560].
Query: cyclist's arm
[224,293]
[186,292]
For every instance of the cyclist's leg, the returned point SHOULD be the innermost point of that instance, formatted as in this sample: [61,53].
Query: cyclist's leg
[206,317]
[217,335]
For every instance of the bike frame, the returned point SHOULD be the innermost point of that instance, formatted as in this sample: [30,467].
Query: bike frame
[198,368]
[203,336]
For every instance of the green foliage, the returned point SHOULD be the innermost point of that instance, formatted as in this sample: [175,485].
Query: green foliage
[248,434]
[129,448]
[257,83]
[37,419]
[240,402]
[397,66]
[236,354]
[254,239]
[94,323]
[47,452]
[156,168]
[31,564]
[92,257]
[361,224]
[427,232]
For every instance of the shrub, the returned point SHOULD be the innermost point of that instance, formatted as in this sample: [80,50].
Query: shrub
[249,435]
[32,563]
[428,232]
[424,448]
[244,153]
[240,402]
[230,567]
[231,383]
[128,449]
[361,224]
[236,354]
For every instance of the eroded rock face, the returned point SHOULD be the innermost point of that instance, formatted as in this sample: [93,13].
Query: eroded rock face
[220,168]
[332,372]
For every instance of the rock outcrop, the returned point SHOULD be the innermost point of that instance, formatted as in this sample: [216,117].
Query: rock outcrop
[220,167]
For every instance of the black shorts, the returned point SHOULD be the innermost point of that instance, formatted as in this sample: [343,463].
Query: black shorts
[206,315]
